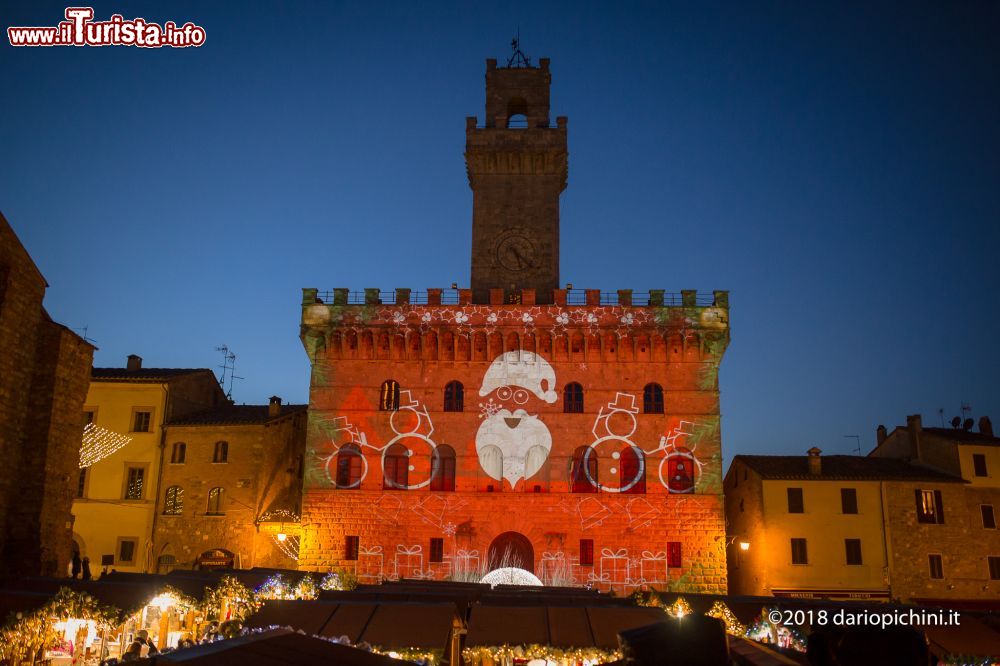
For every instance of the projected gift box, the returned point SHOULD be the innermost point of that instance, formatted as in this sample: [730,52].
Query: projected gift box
[409,561]
[370,564]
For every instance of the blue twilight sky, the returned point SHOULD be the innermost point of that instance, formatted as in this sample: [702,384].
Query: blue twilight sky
[835,165]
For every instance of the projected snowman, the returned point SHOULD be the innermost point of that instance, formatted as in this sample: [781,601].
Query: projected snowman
[511,443]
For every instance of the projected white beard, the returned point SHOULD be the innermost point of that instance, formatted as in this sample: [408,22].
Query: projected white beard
[512,445]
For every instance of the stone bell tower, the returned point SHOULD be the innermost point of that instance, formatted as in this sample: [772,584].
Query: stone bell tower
[517,166]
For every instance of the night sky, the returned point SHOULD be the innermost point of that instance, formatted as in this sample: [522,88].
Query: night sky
[836,167]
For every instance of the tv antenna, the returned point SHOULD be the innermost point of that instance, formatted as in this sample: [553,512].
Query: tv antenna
[84,335]
[517,58]
[228,369]
[857,440]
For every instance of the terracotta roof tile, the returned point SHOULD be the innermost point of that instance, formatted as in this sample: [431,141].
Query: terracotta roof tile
[235,415]
[142,374]
[842,467]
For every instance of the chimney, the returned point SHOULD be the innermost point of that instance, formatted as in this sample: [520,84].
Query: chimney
[815,464]
[880,435]
[133,363]
[274,409]
[986,426]
[914,427]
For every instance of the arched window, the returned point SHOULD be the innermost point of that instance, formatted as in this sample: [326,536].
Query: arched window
[454,397]
[388,397]
[573,398]
[178,453]
[632,471]
[165,564]
[397,468]
[216,502]
[173,502]
[652,399]
[443,468]
[349,467]
[221,454]
[517,121]
[583,470]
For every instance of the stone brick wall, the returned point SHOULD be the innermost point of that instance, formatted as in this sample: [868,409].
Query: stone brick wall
[262,473]
[744,501]
[961,540]
[44,369]
[613,352]
[630,536]
[51,462]
[22,288]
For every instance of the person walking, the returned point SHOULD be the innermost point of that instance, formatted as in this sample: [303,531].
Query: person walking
[75,567]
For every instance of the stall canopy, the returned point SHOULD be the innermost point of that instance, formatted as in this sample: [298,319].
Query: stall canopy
[557,626]
[386,625]
[971,637]
[276,646]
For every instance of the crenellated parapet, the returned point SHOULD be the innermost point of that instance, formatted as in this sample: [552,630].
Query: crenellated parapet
[580,325]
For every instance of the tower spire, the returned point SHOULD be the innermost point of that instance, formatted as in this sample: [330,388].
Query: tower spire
[517,57]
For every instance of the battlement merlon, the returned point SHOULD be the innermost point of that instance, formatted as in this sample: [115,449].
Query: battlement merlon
[686,317]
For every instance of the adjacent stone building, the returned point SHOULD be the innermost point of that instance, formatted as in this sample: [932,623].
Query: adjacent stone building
[914,521]
[122,457]
[231,488]
[44,368]
[571,433]
[815,526]
[944,540]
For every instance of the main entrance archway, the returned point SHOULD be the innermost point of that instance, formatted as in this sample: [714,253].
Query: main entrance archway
[512,549]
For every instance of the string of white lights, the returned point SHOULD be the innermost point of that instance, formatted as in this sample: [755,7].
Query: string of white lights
[289,545]
[99,443]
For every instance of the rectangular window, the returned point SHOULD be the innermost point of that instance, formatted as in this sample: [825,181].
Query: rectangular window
[126,551]
[994,568]
[134,477]
[351,548]
[674,554]
[140,420]
[81,484]
[989,520]
[799,553]
[979,464]
[930,507]
[936,567]
[88,417]
[586,552]
[853,548]
[795,502]
[848,500]
[437,550]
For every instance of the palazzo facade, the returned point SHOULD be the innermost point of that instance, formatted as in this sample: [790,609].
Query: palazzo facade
[573,433]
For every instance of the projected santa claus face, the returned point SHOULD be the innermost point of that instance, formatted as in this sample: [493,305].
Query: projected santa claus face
[513,444]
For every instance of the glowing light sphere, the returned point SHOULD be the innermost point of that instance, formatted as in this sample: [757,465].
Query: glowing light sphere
[510,576]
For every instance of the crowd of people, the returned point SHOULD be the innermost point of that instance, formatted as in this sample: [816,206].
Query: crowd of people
[143,646]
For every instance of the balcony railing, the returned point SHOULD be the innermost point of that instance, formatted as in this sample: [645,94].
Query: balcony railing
[574,297]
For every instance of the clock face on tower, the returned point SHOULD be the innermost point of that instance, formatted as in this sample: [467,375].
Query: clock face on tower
[516,252]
